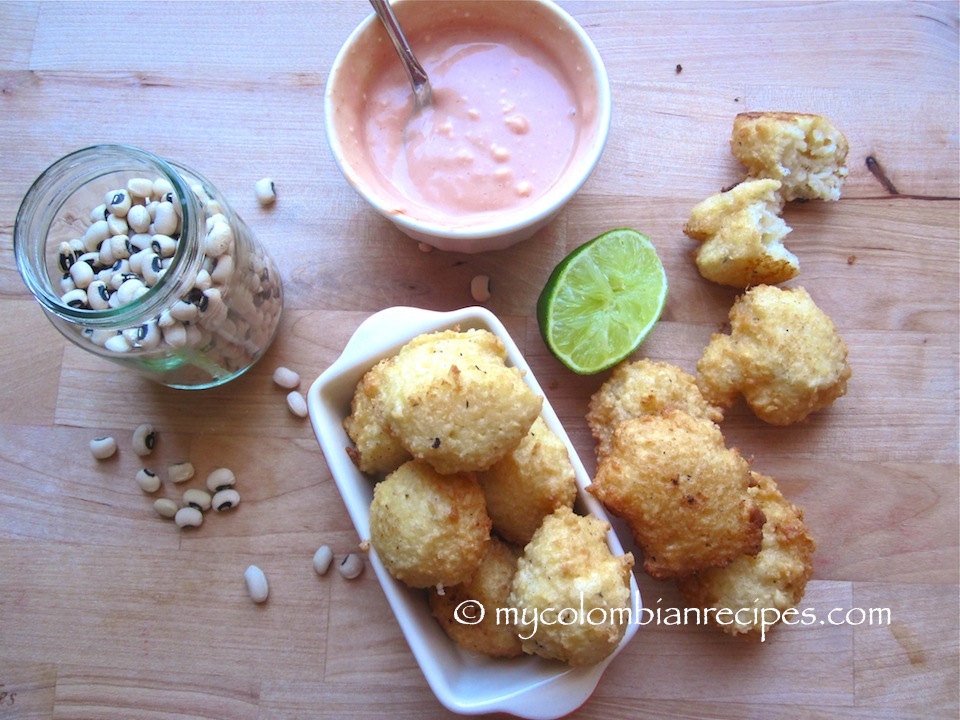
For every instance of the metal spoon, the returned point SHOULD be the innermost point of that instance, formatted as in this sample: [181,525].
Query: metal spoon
[416,73]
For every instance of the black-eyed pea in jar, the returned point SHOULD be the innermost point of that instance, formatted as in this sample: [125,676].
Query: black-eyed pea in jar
[141,261]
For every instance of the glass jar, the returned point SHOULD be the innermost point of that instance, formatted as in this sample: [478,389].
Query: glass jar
[141,261]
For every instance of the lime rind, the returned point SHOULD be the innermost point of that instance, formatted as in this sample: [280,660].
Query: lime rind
[602,301]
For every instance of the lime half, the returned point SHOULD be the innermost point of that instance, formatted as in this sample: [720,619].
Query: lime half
[602,300]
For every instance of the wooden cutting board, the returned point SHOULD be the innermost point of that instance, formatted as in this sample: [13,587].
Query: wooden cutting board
[106,611]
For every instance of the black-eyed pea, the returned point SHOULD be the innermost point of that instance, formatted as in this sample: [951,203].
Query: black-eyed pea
[100,212]
[257,585]
[95,234]
[322,559]
[180,472]
[148,335]
[144,439]
[82,274]
[120,246]
[141,240]
[199,499]
[176,335]
[151,268]
[297,404]
[165,222]
[148,480]
[184,311]
[223,270]
[118,344]
[117,225]
[138,219]
[351,566]
[195,336]
[75,298]
[118,202]
[204,282]
[98,295]
[140,188]
[188,517]
[129,290]
[66,256]
[103,447]
[66,284]
[266,191]
[225,500]
[480,288]
[218,240]
[161,186]
[165,507]
[286,378]
[221,479]
[163,245]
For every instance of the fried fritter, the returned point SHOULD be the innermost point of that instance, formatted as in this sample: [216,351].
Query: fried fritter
[644,387]
[429,529]
[528,484]
[450,399]
[775,578]
[565,567]
[681,491]
[376,451]
[783,354]
[459,608]
[804,152]
[742,235]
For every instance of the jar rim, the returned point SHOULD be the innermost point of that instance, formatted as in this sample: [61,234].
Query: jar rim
[46,197]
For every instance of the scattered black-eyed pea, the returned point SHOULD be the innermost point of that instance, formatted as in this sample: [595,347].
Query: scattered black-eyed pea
[297,404]
[225,500]
[266,191]
[165,507]
[351,566]
[180,472]
[199,499]
[480,288]
[286,378]
[188,517]
[140,187]
[103,447]
[257,585]
[144,439]
[322,559]
[148,480]
[221,479]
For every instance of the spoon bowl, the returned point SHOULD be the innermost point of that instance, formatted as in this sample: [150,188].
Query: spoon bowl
[418,76]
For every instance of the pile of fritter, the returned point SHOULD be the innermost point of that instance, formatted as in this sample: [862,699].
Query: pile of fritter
[698,512]
[473,502]
[788,156]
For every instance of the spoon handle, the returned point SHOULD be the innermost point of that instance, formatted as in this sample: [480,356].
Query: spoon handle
[415,71]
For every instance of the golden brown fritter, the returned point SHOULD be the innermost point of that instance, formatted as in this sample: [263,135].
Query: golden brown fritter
[681,491]
[376,451]
[804,152]
[565,567]
[783,354]
[775,578]
[458,610]
[528,484]
[450,400]
[644,387]
[429,529]
[742,235]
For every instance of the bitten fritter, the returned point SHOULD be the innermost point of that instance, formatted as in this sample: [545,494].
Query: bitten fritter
[681,491]
[529,483]
[742,235]
[775,578]
[783,354]
[451,400]
[376,451]
[429,529]
[489,588]
[565,567]
[804,152]
[644,387]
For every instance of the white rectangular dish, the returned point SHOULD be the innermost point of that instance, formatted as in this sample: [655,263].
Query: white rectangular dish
[529,686]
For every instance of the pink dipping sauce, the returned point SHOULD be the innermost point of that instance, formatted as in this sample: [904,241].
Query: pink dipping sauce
[502,126]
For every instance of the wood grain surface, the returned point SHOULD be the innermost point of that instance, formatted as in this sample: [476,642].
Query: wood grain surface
[107,611]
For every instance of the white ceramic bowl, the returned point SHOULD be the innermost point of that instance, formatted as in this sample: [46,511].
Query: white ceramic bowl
[355,67]
[528,687]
